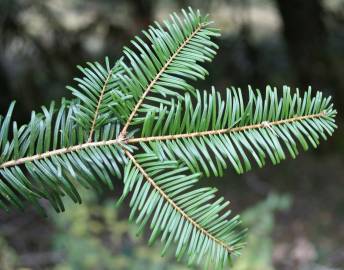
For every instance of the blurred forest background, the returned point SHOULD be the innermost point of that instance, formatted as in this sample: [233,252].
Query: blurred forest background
[295,211]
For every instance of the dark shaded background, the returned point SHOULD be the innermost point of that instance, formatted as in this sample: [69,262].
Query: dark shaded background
[276,42]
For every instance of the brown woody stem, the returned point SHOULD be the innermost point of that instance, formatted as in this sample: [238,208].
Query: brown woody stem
[121,140]
[223,131]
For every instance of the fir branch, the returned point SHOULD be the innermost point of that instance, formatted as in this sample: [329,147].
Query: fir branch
[230,129]
[163,69]
[88,141]
[175,206]
[98,105]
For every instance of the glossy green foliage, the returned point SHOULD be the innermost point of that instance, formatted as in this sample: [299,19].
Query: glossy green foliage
[281,128]
[99,94]
[191,217]
[53,177]
[165,60]
[93,140]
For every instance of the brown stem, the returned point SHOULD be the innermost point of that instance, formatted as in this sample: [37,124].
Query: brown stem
[223,131]
[58,152]
[121,140]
